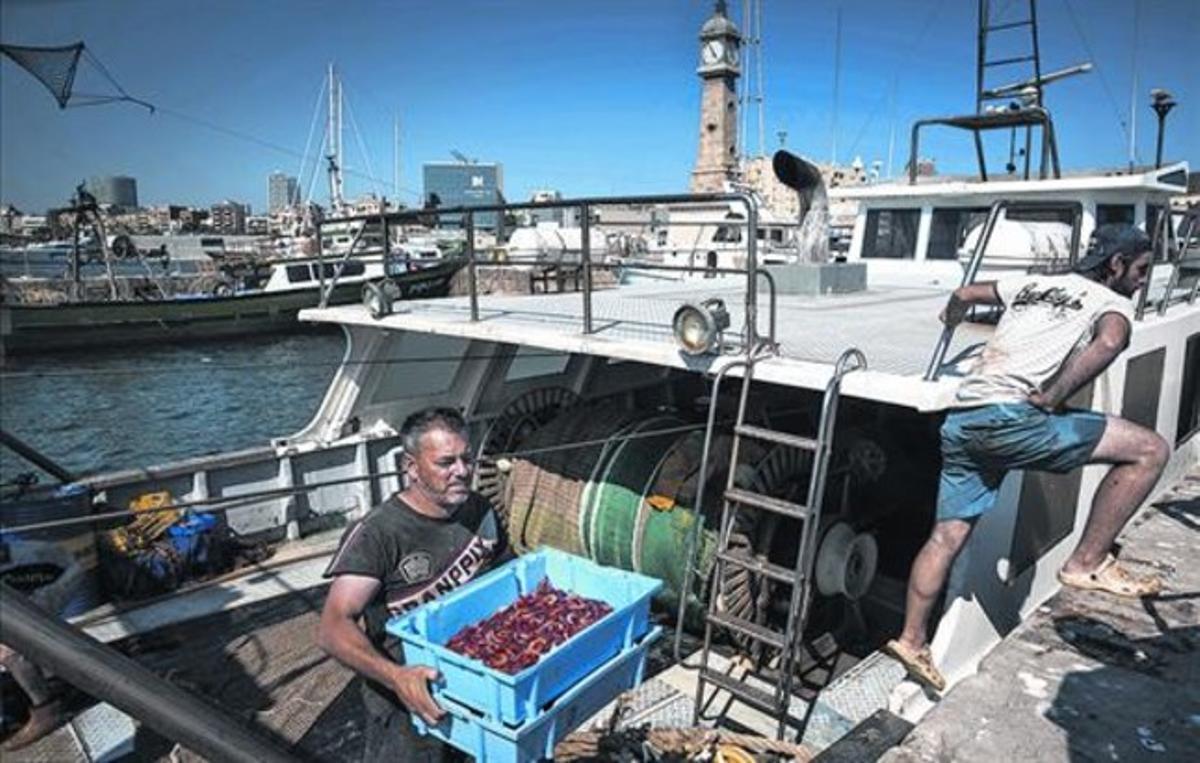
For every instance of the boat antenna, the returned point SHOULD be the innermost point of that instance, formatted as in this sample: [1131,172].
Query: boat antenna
[758,79]
[396,160]
[837,82]
[1133,87]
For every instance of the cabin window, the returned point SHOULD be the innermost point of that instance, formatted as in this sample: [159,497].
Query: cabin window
[1153,211]
[891,234]
[1064,215]
[350,268]
[298,274]
[440,358]
[530,362]
[1114,213]
[729,234]
[949,229]
[1189,392]
[1143,377]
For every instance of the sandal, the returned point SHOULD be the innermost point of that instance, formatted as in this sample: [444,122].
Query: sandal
[918,663]
[1113,578]
[43,719]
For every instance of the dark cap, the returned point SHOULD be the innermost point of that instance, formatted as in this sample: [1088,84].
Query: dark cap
[1113,239]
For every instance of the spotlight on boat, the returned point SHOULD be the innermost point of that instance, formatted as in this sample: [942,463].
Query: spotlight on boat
[698,327]
[379,297]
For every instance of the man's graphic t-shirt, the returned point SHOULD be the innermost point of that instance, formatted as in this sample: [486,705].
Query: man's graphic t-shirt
[417,558]
[1046,319]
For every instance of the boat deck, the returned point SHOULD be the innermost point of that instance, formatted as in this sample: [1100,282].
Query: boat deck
[896,328]
[1089,676]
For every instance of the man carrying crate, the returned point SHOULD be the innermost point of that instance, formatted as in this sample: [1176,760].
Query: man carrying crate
[431,537]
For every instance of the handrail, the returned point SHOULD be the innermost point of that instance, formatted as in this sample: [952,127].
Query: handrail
[108,675]
[998,207]
[585,204]
[1161,245]
[1189,229]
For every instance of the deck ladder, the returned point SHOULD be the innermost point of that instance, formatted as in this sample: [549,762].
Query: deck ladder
[799,576]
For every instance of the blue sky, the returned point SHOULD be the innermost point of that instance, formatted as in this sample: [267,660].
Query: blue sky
[586,96]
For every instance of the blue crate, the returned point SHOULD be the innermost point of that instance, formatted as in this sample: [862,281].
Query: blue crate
[489,741]
[511,699]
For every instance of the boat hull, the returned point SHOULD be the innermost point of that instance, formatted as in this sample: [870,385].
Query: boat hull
[28,329]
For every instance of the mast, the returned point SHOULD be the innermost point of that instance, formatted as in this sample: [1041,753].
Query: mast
[334,157]
[396,168]
[837,80]
[758,79]
[1137,17]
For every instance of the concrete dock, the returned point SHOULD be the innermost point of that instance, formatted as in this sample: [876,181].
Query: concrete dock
[1091,676]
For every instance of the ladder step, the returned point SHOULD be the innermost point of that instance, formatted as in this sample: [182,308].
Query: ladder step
[1009,25]
[772,435]
[1006,61]
[766,502]
[751,695]
[747,628]
[757,566]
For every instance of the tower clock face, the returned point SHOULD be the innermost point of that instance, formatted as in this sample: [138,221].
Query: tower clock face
[712,52]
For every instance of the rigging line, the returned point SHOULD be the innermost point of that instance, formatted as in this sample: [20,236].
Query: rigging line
[312,128]
[244,136]
[1112,101]
[226,503]
[104,72]
[361,145]
[892,90]
[210,505]
[316,170]
[8,375]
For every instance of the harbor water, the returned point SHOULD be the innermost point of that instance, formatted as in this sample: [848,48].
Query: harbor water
[130,407]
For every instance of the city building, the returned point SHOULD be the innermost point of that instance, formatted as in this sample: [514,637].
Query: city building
[114,190]
[535,216]
[229,217]
[282,192]
[258,225]
[464,184]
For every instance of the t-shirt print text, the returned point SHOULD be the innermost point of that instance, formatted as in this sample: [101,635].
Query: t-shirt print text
[1056,298]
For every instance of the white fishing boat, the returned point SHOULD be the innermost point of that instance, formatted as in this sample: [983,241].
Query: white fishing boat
[741,439]
[530,371]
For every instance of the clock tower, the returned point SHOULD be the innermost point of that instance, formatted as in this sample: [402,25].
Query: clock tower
[716,157]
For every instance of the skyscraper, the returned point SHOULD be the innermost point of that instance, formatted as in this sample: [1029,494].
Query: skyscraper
[282,192]
[117,190]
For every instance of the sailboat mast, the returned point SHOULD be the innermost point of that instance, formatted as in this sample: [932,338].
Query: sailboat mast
[396,167]
[335,142]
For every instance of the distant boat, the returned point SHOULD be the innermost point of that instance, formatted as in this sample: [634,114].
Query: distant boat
[291,286]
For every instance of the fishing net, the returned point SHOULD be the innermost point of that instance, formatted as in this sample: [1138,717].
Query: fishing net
[57,67]
[53,67]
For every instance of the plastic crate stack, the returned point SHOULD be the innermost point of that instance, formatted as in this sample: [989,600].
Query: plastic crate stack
[497,717]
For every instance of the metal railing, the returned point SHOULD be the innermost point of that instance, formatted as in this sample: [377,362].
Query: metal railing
[752,337]
[1003,207]
[1185,243]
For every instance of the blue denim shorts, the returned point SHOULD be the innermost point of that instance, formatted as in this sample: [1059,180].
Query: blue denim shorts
[980,446]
